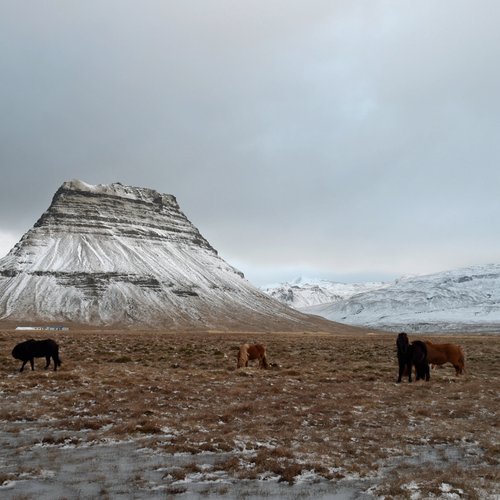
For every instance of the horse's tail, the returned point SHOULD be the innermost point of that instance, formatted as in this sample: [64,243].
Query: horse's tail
[461,358]
[57,359]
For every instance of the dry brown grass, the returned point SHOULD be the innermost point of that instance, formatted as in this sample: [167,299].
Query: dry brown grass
[331,405]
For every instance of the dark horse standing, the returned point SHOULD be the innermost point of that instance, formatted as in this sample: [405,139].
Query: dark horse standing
[414,354]
[27,351]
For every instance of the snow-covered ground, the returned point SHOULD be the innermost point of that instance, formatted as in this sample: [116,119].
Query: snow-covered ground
[131,469]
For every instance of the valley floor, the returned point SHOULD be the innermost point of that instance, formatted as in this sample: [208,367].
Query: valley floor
[158,415]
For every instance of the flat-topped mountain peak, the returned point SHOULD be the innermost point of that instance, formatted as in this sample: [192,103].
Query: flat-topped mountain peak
[112,254]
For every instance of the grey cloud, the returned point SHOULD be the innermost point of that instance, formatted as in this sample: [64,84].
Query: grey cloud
[343,137]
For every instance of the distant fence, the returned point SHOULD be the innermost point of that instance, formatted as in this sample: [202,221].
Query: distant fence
[42,328]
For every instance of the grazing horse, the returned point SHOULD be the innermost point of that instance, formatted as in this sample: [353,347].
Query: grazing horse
[27,351]
[438,354]
[414,354]
[248,352]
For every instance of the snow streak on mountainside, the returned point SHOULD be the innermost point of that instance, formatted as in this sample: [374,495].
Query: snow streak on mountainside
[458,300]
[121,255]
[302,293]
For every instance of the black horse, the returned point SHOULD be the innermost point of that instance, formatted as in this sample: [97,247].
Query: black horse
[409,355]
[27,351]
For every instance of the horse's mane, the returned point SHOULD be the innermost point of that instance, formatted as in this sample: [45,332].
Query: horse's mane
[402,343]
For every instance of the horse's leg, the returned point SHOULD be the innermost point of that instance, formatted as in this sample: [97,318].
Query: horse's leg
[418,372]
[265,364]
[409,370]
[402,366]
[47,358]
[55,362]
[423,371]
[22,366]
[32,363]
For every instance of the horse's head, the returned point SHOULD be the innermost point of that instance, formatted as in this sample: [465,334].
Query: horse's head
[402,343]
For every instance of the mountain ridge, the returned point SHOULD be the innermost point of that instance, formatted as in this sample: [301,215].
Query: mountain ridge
[464,299]
[301,293]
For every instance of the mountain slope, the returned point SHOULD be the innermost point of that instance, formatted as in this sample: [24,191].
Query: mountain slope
[302,293]
[121,255]
[457,300]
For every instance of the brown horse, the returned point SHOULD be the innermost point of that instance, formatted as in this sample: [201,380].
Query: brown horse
[248,352]
[438,354]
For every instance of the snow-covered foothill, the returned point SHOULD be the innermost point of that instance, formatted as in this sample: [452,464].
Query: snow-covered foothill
[466,299]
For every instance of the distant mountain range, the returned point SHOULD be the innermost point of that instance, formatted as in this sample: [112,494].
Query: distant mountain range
[466,299]
[303,292]
[120,255]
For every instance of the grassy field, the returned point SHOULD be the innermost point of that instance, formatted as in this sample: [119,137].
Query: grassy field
[183,420]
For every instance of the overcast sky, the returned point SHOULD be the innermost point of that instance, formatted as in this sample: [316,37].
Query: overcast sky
[348,140]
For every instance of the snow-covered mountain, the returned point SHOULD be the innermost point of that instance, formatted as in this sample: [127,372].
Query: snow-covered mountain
[305,292]
[122,255]
[465,299]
